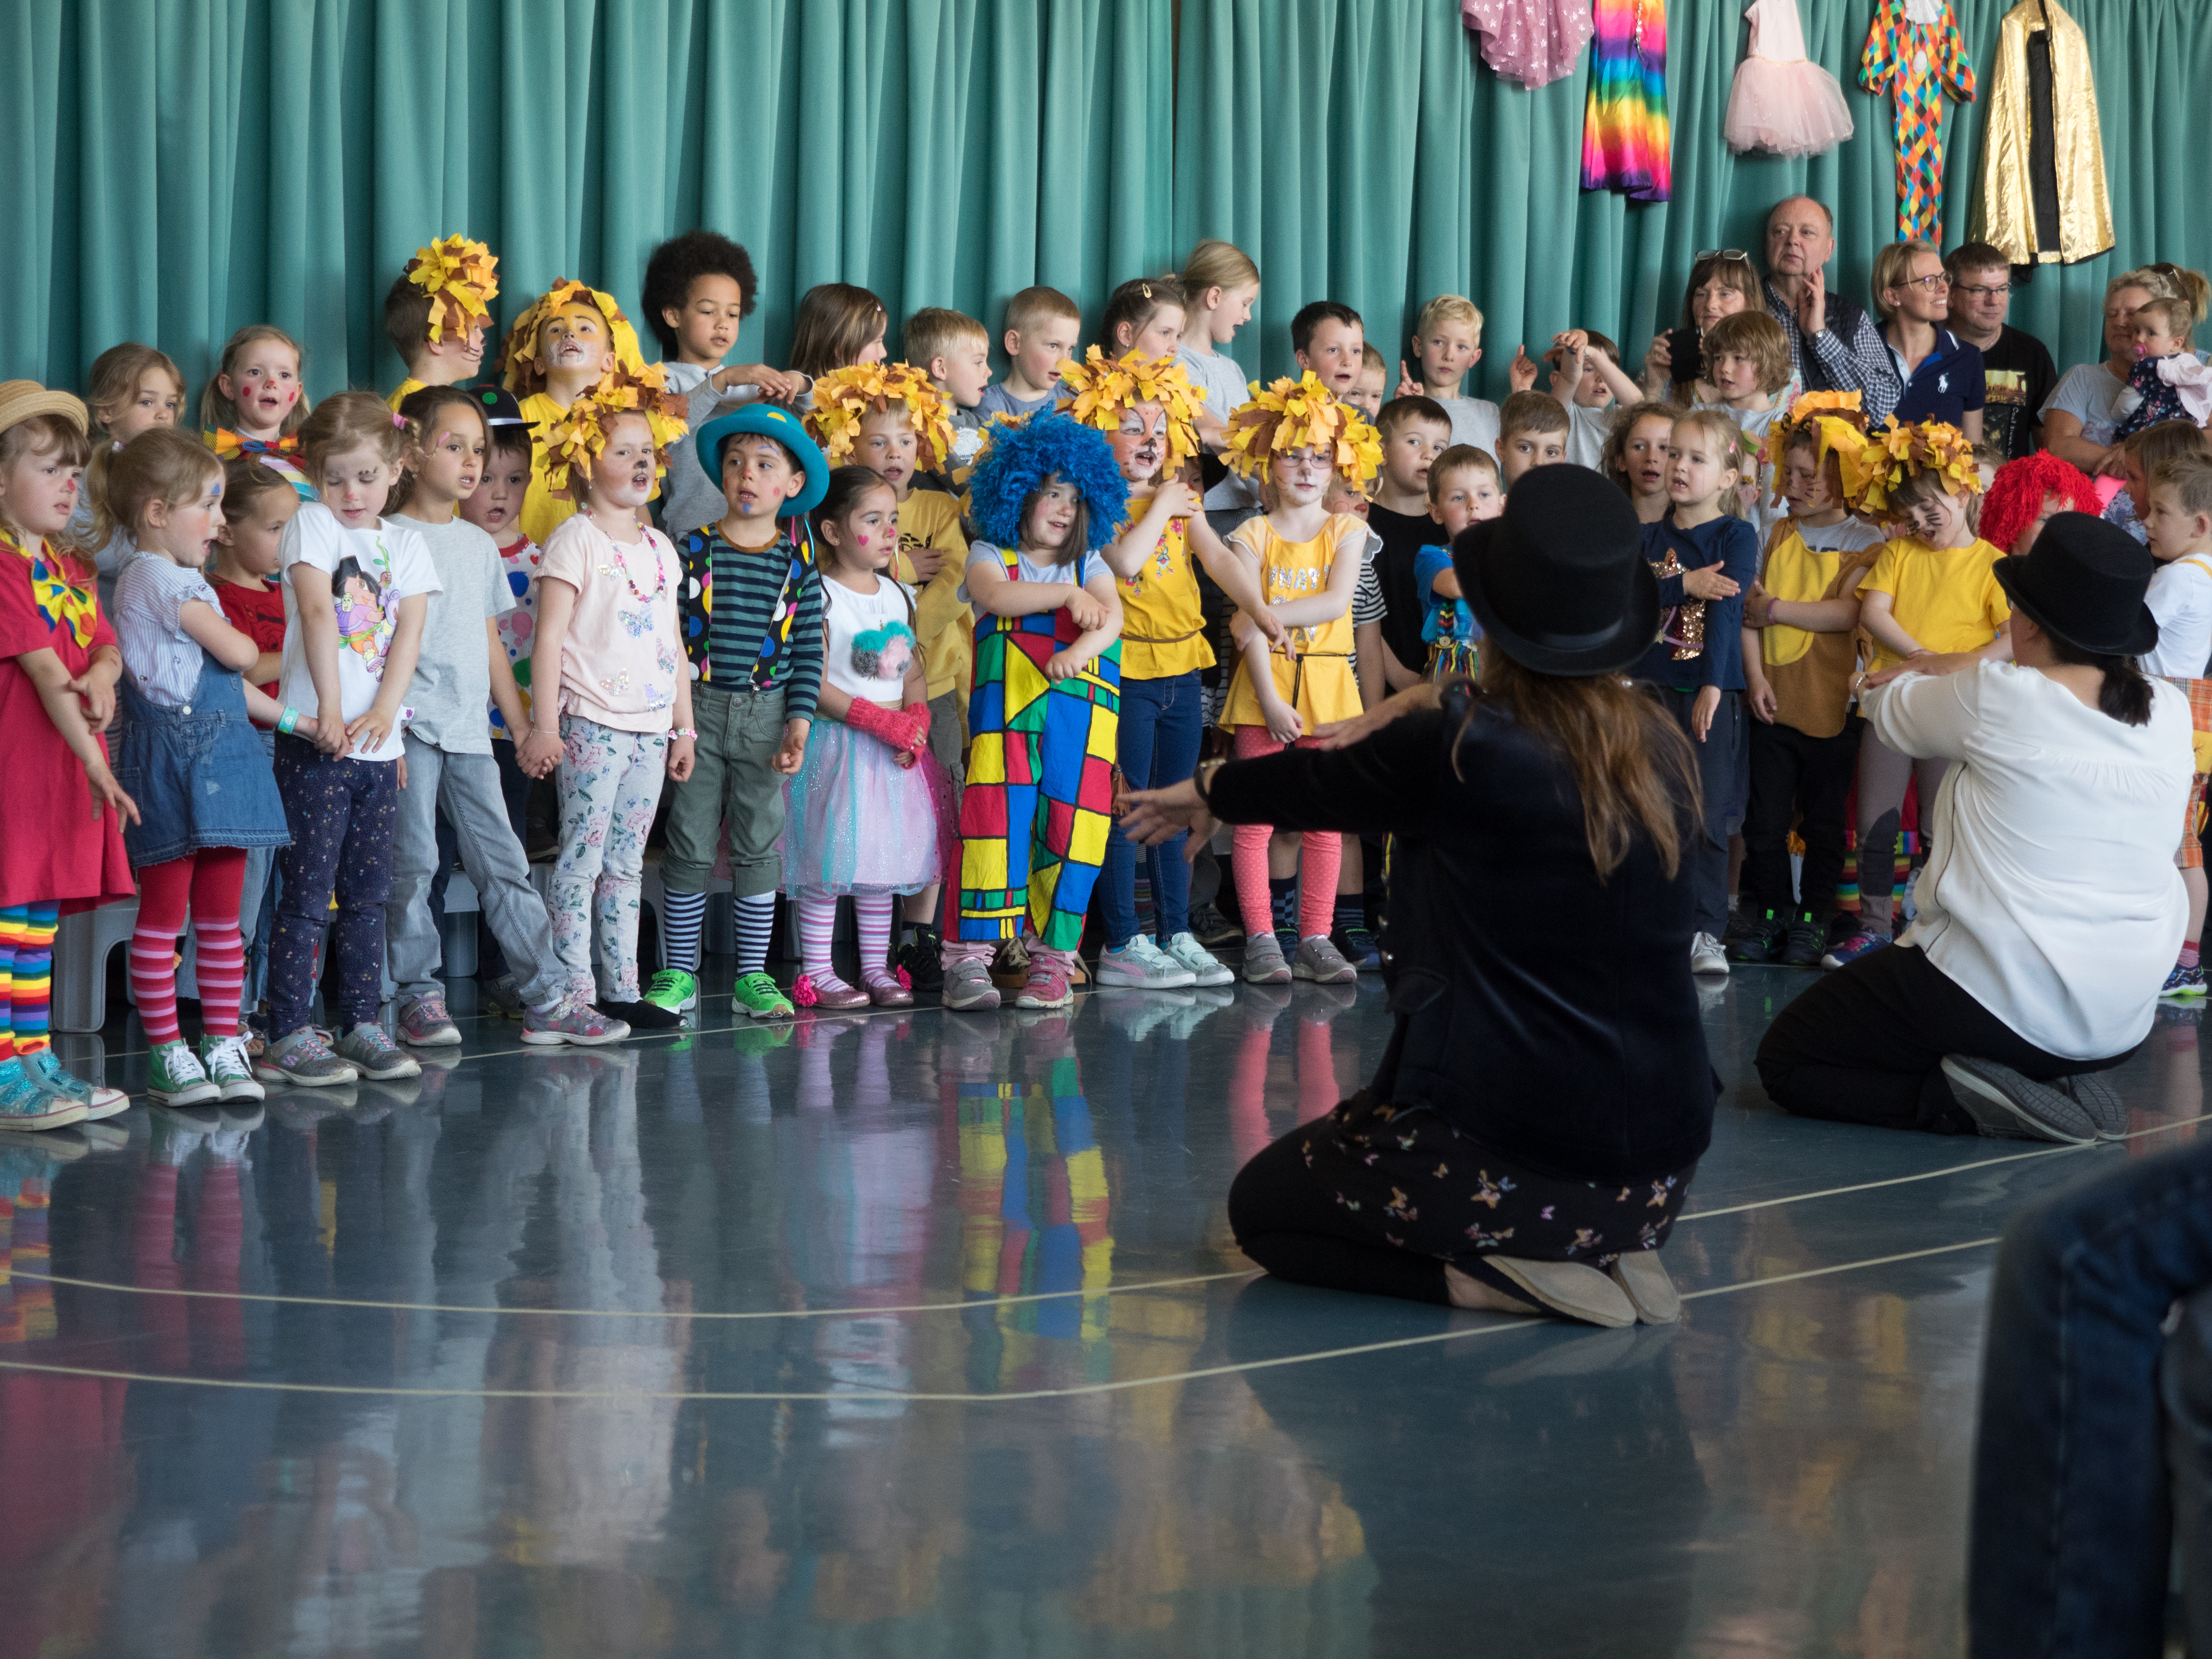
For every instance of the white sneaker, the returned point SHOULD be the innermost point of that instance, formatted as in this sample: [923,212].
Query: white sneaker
[1140,965]
[1205,969]
[1706,956]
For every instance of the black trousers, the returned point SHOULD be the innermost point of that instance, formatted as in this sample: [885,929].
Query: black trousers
[1866,1045]
[1722,779]
[1794,776]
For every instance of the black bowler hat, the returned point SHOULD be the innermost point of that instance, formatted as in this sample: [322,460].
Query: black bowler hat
[1560,581]
[2084,581]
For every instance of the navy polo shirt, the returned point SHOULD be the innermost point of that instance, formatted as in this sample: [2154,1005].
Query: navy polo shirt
[1948,382]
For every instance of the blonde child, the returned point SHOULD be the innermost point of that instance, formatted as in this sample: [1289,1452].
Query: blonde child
[461,665]
[1933,588]
[1296,438]
[1748,365]
[2179,526]
[1532,432]
[1447,344]
[1635,456]
[1042,720]
[246,574]
[62,812]
[1145,406]
[956,351]
[435,311]
[131,388]
[1373,384]
[753,628]
[1221,286]
[861,816]
[1464,489]
[618,720]
[1043,327]
[2142,453]
[1799,651]
[1696,667]
[256,402]
[183,727]
[837,324]
[356,588]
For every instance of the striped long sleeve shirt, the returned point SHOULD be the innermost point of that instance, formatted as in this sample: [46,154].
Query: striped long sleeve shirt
[752,618]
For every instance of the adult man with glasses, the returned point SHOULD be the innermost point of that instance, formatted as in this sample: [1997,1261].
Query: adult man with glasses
[2016,367]
[1834,344]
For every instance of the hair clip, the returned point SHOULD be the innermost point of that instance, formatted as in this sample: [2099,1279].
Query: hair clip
[398,420]
[1147,286]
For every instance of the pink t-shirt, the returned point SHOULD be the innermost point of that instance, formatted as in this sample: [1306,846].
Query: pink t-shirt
[620,663]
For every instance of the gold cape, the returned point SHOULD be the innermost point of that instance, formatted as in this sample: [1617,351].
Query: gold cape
[2006,215]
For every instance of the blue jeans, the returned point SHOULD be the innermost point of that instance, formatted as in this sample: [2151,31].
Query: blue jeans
[2072,1524]
[1162,723]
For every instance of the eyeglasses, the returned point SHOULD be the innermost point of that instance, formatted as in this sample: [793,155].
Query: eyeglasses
[1932,284]
[1985,291]
[1735,254]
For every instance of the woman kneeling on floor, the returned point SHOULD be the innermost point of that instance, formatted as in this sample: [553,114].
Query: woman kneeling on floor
[1546,1096]
[2050,910]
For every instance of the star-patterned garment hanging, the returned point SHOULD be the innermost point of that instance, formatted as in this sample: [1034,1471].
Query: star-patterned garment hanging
[1534,42]
[1914,53]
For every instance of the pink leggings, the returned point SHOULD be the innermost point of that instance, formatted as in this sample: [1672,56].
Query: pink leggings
[1320,853]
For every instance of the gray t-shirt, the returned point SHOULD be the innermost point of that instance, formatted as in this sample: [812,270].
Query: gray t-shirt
[690,498]
[453,675]
[1222,380]
[997,400]
[2086,393]
[1474,421]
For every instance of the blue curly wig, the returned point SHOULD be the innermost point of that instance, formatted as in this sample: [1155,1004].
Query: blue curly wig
[1021,458]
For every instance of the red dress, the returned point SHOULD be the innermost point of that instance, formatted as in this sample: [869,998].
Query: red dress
[50,847]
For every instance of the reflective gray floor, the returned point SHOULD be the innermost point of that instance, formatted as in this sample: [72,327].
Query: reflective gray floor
[924,1335]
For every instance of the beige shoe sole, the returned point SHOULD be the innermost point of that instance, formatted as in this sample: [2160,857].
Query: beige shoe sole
[1643,1277]
[1572,1288]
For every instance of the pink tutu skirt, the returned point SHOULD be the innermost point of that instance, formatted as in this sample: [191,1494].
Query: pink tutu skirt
[1791,109]
[855,821]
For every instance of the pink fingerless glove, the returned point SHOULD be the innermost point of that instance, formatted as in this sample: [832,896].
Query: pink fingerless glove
[916,716]
[883,726]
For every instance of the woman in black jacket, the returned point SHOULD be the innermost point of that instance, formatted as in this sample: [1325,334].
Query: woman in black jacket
[1546,1094]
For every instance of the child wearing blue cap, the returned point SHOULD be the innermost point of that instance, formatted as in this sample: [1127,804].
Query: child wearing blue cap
[752,620]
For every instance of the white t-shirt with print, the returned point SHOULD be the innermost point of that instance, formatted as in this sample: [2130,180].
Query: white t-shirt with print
[869,640]
[369,571]
[2180,597]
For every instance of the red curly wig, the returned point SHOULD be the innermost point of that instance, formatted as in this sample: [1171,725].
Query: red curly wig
[2016,494]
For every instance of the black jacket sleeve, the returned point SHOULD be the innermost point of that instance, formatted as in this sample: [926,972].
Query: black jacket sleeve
[1389,781]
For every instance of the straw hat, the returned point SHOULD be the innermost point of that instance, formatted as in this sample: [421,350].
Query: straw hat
[22,399]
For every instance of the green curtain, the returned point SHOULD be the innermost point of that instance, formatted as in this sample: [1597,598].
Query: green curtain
[185,167]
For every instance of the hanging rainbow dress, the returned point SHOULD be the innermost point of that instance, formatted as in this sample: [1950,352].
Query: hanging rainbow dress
[1625,140]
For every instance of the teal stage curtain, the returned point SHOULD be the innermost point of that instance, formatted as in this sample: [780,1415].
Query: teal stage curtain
[185,167]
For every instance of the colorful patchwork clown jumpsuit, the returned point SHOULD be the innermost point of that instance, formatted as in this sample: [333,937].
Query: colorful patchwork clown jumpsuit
[1039,789]
[1913,52]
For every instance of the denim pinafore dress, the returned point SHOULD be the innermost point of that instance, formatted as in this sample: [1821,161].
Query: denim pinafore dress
[198,772]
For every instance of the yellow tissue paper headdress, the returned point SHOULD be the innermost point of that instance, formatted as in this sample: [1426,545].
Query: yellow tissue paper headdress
[461,278]
[519,370]
[1103,389]
[1300,414]
[1837,423]
[580,436]
[1898,452]
[845,396]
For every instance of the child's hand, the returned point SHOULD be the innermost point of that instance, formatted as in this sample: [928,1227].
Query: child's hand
[1521,373]
[540,753]
[401,762]
[1065,665]
[1761,699]
[1085,611]
[106,792]
[683,755]
[1702,710]
[1756,613]
[1180,499]
[775,385]
[1285,723]
[926,562]
[307,728]
[1658,364]
[97,693]
[1572,342]
[794,751]
[367,732]
[1272,625]
[1709,584]
[1408,386]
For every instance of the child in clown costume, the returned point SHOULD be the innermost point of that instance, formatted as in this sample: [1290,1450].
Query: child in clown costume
[1044,720]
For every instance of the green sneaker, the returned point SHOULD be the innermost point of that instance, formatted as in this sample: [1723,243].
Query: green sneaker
[230,1069]
[675,990]
[758,1040]
[759,996]
[175,1077]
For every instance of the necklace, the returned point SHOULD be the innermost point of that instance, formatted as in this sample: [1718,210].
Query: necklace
[622,568]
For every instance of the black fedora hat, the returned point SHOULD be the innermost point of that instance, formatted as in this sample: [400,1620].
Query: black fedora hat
[1560,581]
[2084,581]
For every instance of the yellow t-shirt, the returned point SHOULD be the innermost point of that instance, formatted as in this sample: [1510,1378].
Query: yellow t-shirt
[1319,683]
[543,511]
[1162,629]
[943,620]
[408,388]
[1947,598]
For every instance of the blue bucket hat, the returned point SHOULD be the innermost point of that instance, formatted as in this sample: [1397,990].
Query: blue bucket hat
[768,421]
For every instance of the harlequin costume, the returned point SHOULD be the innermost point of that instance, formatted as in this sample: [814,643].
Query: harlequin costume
[1914,53]
[1040,788]
[462,279]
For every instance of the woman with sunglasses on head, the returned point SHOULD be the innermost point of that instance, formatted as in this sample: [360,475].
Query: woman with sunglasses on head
[1722,281]
[1941,374]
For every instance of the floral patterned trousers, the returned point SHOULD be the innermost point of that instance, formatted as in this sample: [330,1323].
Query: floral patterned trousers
[609,788]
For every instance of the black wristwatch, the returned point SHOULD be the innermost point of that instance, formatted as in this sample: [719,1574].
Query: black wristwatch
[1202,780]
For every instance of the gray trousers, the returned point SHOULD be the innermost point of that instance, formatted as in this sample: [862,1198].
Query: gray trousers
[466,786]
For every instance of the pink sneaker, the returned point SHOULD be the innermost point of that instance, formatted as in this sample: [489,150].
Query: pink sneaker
[1048,985]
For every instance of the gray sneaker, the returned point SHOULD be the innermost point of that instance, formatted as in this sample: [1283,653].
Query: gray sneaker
[571,1021]
[1141,966]
[498,996]
[1263,960]
[2006,1103]
[303,1058]
[2093,1093]
[968,986]
[424,1023]
[374,1055]
[1323,962]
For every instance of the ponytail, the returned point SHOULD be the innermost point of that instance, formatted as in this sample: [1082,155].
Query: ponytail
[2125,693]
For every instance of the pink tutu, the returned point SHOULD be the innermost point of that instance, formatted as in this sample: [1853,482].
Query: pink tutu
[1534,42]
[1783,101]
[857,822]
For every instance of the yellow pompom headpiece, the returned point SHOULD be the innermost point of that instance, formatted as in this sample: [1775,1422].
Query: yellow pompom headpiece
[461,278]
[1898,452]
[1300,414]
[845,396]
[580,436]
[1103,389]
[519,370]
[1837,423]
